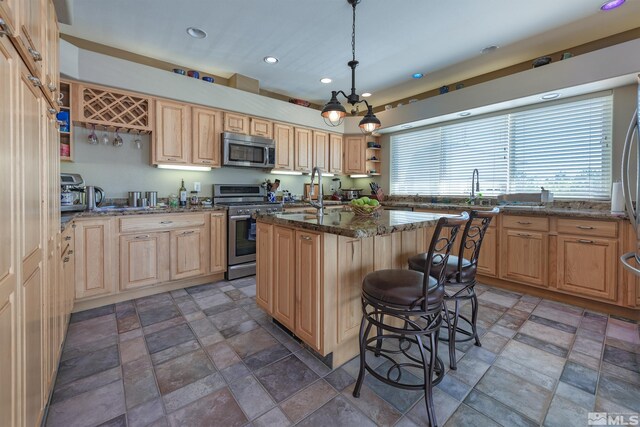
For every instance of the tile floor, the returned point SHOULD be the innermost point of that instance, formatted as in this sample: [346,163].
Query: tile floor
[208,356]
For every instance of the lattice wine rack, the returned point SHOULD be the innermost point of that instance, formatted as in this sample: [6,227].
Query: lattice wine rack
[112,109]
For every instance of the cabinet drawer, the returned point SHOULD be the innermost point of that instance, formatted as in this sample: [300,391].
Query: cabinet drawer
[526,222]
[160,222]
[588,228]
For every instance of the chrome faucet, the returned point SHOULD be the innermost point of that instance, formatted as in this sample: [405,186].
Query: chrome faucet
[475,186]
[320,204]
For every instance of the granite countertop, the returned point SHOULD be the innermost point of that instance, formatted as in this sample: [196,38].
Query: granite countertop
[302,204]
[67,217]
[534,210]
[347,224]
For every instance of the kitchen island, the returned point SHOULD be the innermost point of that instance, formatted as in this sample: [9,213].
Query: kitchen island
[310,270]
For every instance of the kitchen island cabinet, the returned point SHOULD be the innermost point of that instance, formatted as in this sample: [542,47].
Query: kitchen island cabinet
[310,270]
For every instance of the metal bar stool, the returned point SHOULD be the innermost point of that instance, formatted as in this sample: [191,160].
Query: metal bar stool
[406,305]
[460,273]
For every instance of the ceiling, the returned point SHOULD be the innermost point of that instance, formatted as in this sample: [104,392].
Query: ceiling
[312,38]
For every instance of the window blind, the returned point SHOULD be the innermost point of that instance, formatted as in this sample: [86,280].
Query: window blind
[564,147]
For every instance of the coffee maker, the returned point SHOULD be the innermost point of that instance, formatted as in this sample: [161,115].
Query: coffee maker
[72,196]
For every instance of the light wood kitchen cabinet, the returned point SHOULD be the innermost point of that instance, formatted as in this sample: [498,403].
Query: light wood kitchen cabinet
[188,253]
[284,138]
[68,255]
[261,127]
[172,136]
[236,123]
[303,150]
[29,34]
[96,272]
[51,74]
[206,136]
[335,153]
[284,277]
[144,260]
[355,151]
[307,290]
[588,267]
[524,256]
[321,150]
[488,258]
[9,14]
[264,260]
[218,262]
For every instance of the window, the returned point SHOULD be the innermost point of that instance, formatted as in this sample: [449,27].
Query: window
[565,148]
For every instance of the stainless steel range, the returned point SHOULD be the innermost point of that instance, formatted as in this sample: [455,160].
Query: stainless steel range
[244,202]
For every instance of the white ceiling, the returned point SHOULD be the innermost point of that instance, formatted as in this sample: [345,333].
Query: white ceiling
[312,38]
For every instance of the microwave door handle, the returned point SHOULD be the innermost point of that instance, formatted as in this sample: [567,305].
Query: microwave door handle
[266,155]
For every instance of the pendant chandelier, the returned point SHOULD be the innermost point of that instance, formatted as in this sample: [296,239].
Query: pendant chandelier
[334,112]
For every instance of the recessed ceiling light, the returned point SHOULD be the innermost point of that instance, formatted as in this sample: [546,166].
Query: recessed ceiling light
[464,114]
[612,4]
[550,96]
[196,33]
[417,75]
[489,49]
[270,59]
[325,80]
[366,95]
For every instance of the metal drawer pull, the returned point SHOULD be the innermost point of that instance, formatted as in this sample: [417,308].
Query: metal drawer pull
[52,111]
[35,81]
[67,238]
[171,160]
[166,222]
[66,259]
[52,87]
[4,29]
[188,232]
[70,252]
[144,236]
[206,161]
[584,227]
[524,235]
[35,54]
[306,237]
[524,222]
[585,241]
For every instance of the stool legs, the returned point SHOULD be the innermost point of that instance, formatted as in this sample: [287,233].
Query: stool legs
[474,317]
[365,327]
[429,367]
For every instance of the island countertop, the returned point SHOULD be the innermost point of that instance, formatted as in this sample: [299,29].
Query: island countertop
[347,224]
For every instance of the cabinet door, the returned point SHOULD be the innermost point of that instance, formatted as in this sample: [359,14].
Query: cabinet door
[488,259]
[144,260]
[321,150]
[588,267]
[525,257]
[9,145]
[303,150]
[207,127]
[284,247]
[283,135]
[355,150]
[30,34]
[172,136]
[95,273]
[236,123]
[307,310]
[261,127]
[264,260]
[335,153]
[9,14]
[218,262]
[188,253]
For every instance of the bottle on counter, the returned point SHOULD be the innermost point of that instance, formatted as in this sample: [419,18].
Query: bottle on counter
[194,200]
[183,195]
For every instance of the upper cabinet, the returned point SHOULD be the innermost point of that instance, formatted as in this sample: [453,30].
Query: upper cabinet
[321,150]
[9,16]
[355,150]
[335,153]
[29,33]
[303,161]
[207,127]
[283,136]
[236,123]
[172,137]
[261,127]
[51,74]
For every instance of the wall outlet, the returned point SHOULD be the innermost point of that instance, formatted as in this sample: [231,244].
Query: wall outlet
[196,186]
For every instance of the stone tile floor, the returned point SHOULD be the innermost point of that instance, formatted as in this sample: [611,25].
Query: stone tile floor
[208,356]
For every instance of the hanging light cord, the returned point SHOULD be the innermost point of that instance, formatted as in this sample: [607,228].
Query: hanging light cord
[353,32]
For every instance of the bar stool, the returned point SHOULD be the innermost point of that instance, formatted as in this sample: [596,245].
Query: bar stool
[412,304]
[460,273]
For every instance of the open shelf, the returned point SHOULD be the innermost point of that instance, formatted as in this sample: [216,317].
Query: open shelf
[66,138]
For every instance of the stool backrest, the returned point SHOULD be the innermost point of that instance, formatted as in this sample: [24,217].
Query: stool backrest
[471,241]
[440,248]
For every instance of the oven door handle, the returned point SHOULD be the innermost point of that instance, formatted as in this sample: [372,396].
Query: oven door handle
[237,217]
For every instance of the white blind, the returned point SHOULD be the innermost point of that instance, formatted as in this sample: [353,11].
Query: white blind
[564,147]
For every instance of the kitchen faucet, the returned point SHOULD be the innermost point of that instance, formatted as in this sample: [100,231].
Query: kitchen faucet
[320,204]
[475,186]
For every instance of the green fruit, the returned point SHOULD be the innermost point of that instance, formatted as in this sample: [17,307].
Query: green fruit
[365,199]
[354,202]
[374,202]
[360,202]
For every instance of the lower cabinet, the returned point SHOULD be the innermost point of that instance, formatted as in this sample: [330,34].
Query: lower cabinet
[588,267]
[264,260]
[95,274]
[144,259]
[218,262]
[488,258]
[525,256]
[188,253]
[284,261]
[307,289]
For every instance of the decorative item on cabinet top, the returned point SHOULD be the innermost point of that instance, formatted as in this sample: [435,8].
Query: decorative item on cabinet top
[111,108]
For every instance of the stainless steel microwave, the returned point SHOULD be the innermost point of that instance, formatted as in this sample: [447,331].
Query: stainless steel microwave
[248,151]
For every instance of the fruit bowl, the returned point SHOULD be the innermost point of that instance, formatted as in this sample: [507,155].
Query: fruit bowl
[366,210]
